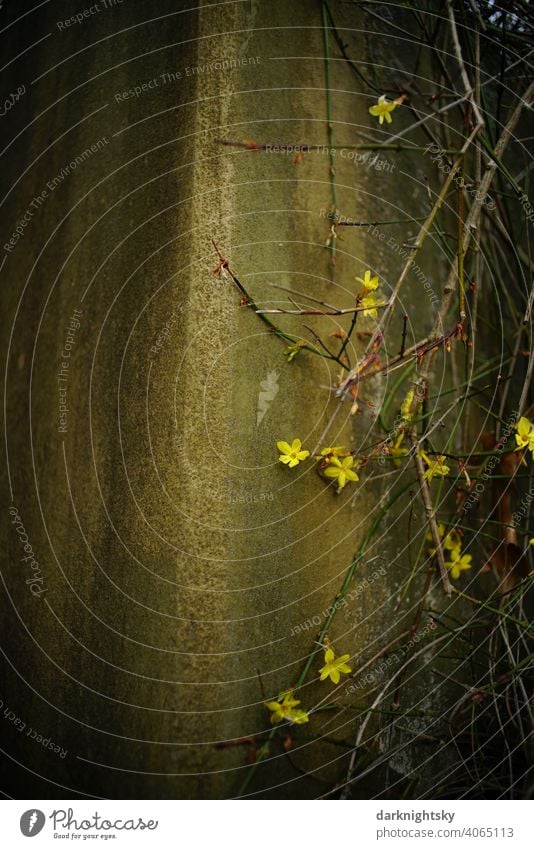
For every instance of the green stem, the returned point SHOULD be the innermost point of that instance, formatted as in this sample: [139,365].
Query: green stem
[347,580]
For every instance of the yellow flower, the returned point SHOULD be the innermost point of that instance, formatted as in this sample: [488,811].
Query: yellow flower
[367,281]
[436,467]
[333,668]
[341,470]
[291,455]
[406,406]
[531,541]
[383,109]
[335,451]
[370,302]
[450,540]
[299,717]
[397,451]
[458,563]
[525,434]
[285,708]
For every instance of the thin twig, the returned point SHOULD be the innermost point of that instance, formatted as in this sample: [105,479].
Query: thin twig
[302,295]
[437,423]
[471,347]
[334,311]
[423,232]
[470,227]
[320,341]
[465,79]
[224,270]
[404,331]
[431,518]
[377,701]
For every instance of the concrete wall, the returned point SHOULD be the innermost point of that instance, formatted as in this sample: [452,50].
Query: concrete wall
[176,553]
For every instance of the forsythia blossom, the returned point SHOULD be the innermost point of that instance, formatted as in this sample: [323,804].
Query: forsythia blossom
[334,451]
[333,668]
[436,468]
[285,708]
[370,302]
[525,435]
[341,470]
[458,563]
[383,109]
[367,281]
[291,455]
[406,406]
[451,542]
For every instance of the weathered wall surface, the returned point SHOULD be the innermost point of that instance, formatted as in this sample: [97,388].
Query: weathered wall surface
[177,555]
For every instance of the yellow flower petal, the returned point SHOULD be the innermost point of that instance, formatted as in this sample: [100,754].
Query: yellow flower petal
[335,451]
[367,281]
[523,426]
[383,108]
[291,455]
[283,447]
[525,434]
[370,302]
[288,699]
[435,467]
[459,563]
[299,717]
